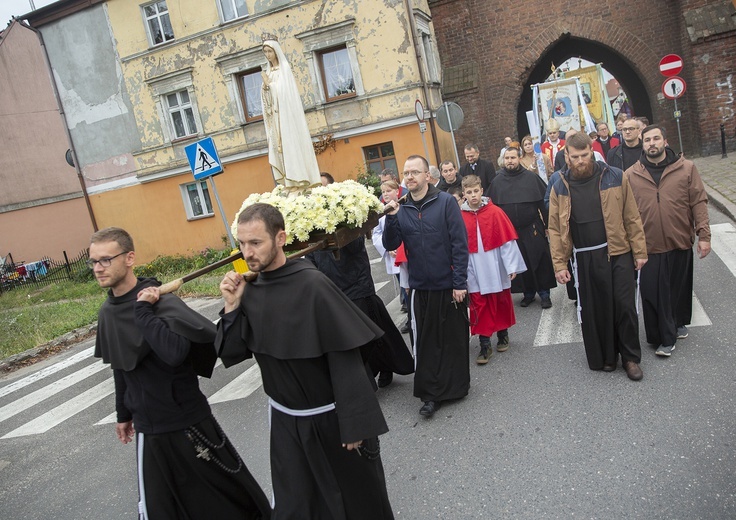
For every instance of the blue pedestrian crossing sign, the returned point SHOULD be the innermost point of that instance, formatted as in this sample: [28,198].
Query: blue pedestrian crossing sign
[203,159]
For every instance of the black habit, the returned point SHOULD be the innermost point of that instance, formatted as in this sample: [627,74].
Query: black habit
[305,334]
[520,194]
[156,352]
[607,287]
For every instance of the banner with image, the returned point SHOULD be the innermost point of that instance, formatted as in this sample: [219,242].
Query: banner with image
[559,100]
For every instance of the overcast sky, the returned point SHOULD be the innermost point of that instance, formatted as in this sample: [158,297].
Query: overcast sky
[10,8]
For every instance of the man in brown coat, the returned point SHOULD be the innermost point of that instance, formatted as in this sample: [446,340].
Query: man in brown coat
[674,207]
[593,219]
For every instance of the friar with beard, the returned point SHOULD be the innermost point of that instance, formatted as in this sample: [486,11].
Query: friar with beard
[520,194]
[674,207]
[593,219]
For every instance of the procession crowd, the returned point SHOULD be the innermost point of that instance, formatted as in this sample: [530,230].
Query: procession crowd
[609,217]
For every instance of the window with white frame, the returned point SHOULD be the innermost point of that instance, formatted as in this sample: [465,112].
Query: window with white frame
[232,9]
[333,61]
[197,201]
[177,104]
[250,83]
[337,76]
[158,23]
[181,114]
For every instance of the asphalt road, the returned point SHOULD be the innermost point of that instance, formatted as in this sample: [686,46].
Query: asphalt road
[540,436]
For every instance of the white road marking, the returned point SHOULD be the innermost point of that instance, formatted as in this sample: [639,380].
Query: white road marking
[723,242]
[379,285]
[699,318]
[63,412]
[45,372]
[240,387]
[113,417]
[376,260]
[558,324]
[25,402]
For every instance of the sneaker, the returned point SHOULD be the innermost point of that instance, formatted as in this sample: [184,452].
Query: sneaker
[526,301]
[406,328]
[484,355]
[546,303]
[403,308]
[665,351]
[503,344]
[682,332]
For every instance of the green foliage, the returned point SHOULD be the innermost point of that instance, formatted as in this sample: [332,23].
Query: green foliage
[370,179]
[33,316]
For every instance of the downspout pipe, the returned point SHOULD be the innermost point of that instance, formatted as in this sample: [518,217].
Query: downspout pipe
[65,125]
[423,79]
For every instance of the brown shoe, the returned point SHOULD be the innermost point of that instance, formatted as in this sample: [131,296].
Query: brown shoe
[633,371]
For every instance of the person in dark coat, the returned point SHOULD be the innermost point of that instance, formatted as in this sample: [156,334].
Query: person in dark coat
[157,346]
[306,336]
[628,152]
[350,269]
[450,177]
[520,193]
[431,228]
[477,166]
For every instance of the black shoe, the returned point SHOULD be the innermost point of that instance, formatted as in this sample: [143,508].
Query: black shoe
[385,379]
[607,367]
[526,301]
[429,408]
[546,303]
[403,308]
[405,329]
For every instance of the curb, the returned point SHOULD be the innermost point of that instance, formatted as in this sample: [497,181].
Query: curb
[54,346]
[724,205]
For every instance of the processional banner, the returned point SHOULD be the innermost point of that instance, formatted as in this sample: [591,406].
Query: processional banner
[559,101]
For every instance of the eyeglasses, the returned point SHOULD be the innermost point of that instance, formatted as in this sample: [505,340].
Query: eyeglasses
[413,173]
[630,129]
[104,262]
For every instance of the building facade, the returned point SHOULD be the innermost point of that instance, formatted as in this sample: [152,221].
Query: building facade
[42,208]
[141,81]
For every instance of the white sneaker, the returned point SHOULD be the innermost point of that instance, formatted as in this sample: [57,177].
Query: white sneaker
[665,351]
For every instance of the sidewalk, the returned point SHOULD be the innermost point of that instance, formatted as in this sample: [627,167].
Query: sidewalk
[719,176]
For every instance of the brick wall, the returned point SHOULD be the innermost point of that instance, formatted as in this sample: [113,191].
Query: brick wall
[507,41]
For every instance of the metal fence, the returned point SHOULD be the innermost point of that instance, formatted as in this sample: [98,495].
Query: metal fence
[42,272]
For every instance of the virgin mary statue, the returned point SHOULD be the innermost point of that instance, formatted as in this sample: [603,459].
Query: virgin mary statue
[290,150]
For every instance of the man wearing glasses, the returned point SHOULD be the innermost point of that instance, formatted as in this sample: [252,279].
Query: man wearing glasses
[157,346]
[629,151]
[431,227]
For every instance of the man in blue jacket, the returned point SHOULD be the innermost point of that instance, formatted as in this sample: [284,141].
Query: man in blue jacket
[431,227]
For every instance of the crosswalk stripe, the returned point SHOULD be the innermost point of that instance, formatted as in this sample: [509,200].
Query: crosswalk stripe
[723,242]
[25,402]
[378,286]
[699,318]
[240,387]
[63,412]
[45,372]
[376,260]
[558,324]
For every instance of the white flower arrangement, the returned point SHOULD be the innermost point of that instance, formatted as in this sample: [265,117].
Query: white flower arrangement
[323,208]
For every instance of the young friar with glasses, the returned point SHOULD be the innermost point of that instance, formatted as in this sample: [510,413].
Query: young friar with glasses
[157,346]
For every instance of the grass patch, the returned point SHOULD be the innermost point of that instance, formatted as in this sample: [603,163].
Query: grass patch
[29,318]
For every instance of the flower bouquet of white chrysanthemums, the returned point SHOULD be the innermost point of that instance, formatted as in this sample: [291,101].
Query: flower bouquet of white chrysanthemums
[324,208]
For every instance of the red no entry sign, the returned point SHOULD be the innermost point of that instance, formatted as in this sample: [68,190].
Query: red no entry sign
[670,65]
[673,87]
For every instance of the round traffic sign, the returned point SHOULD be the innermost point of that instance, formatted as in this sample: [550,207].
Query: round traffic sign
[450,116]
[673,87]
[419,110]
[670,65]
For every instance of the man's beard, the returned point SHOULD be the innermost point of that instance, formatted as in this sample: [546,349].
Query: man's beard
[514,169]
[583,172]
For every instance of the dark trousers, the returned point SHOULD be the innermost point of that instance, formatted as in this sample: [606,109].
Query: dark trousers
[666,295]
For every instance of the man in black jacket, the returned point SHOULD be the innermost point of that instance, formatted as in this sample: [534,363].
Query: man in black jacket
[450,177]
[629,151]
[157,346]
[477,166]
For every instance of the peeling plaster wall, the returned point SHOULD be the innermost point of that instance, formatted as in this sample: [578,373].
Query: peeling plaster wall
[93,92]
[385,58]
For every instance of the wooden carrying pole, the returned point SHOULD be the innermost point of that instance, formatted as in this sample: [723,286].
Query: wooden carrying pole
[174,285]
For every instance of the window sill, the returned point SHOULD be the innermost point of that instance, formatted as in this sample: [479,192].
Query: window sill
[184,139]
[200,217]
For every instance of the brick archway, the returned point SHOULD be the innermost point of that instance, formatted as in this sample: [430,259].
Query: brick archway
[568,46]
